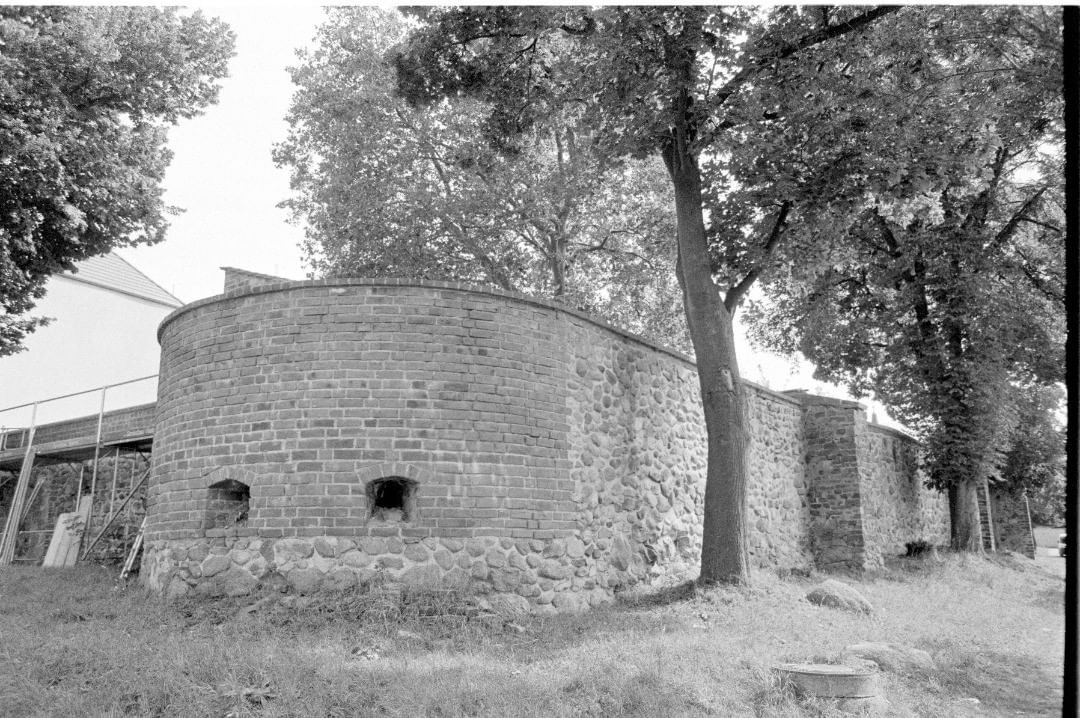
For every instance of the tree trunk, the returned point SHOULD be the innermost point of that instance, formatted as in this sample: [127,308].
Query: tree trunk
[965,531]
[724,555]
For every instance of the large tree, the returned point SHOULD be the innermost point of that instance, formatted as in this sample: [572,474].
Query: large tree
[665,82]
[387,189]
[86,96]
[925,265]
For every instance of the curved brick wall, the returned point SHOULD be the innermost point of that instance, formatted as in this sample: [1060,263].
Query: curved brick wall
[547,458]
[308,391]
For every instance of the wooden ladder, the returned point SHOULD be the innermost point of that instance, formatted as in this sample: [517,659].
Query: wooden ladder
[986,517]
[10,535]
[130,562]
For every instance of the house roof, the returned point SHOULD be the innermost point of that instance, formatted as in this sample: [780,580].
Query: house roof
[112,272]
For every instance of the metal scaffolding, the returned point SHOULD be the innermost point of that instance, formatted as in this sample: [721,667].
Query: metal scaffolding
[30,446]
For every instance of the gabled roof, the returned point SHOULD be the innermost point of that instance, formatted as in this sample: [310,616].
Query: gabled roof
[112,272]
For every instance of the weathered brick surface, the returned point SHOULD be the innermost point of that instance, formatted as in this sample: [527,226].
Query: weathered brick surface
[550,456]
[836,510]
[116,425]
[319,387]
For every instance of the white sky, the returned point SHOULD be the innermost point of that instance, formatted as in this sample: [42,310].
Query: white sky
[223,176]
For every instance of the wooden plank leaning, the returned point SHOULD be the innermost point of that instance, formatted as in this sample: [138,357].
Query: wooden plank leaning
[14,518]
[130,562]
[109,523]
[64,546]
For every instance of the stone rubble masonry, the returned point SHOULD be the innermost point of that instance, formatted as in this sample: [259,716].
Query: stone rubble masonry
[61,482]
[867,495]
[554,457]
[896,505]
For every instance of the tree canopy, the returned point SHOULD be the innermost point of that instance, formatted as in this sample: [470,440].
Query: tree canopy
[925,263]
[86,96]
[390,189]
[667,82]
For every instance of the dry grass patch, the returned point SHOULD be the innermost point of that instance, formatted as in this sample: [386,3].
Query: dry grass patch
[77,643]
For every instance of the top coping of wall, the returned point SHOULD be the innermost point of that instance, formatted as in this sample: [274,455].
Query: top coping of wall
[900,433]
[792,397]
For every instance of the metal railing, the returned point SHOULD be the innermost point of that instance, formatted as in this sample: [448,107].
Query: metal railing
[16,434]
[26,435]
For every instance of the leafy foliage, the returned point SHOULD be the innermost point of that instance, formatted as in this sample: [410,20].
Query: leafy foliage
[664,82]
[1036,455]
[391,189]
[922,259]
[86,95]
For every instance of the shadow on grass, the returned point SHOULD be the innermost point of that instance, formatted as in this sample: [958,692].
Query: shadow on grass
[1001,681]
[666,596]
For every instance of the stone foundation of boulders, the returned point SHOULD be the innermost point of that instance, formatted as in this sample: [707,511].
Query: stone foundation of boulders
[564,575]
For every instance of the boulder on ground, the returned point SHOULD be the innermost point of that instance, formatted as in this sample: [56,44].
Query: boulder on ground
[304,581]
[835,594]
[177,588]
[237,582]
[508,604]
[892,656]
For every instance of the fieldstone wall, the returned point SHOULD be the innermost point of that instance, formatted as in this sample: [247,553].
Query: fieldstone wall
[778,483]
[636,448]
[897,506]
[868,498]
[544,458]
[59,486]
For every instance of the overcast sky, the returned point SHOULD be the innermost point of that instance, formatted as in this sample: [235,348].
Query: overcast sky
[223,177]
[222,174]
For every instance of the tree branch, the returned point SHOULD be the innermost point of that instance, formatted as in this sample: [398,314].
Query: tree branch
[887,235]
[1050,289]
[1046,225]
[815,38]
[1014,221]
[736,294]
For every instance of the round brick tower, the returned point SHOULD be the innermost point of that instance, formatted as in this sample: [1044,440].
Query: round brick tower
[325,433]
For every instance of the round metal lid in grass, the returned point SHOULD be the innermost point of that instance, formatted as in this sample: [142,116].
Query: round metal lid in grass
[831,680]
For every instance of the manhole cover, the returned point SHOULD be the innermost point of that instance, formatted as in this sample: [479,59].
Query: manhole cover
[830,680]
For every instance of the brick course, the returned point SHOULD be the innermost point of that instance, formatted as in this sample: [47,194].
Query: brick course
[554,457]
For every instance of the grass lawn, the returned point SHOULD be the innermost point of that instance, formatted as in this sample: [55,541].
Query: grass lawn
[75,642]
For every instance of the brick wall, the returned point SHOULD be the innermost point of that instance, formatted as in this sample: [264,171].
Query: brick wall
[316,388]
[548,457]
[832,465]
[868,497]
[134,421]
